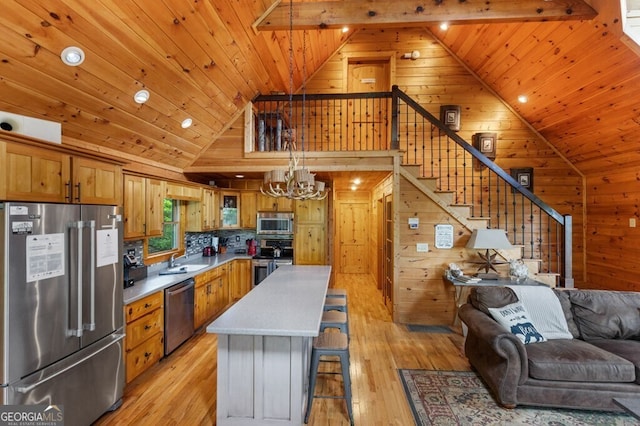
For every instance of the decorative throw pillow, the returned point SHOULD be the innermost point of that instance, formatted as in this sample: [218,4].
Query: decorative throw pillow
[514,317]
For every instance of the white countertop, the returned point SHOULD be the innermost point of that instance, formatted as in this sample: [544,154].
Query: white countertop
[289,302]
[155,282]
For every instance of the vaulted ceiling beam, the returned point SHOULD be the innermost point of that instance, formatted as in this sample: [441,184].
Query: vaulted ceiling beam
[407,13]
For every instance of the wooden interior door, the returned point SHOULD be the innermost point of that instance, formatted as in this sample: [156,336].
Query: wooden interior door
[368,122]
[353,233]
[387,286]
[380,244]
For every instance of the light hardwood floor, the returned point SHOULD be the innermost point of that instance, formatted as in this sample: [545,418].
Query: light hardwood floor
[181,389]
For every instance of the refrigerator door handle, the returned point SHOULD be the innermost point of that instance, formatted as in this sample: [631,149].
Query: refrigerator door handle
[92,277]
[26,389]
[78,331]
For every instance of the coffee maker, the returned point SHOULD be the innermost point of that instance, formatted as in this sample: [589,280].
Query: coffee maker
[212,249]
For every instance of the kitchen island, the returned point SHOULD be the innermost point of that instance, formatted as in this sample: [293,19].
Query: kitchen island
[264,347]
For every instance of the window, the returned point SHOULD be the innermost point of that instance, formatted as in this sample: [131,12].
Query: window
[170,239]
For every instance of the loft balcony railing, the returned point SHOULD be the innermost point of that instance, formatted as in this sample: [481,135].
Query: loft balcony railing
[384,121]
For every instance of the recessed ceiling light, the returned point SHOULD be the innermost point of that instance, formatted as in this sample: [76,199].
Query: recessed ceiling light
[240,176]
[141,96]
[444,26]
[345,29]
[187,122]
[72,56]
[522,99]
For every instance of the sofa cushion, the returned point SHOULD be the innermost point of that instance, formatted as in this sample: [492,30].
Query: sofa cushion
[574,360]
[483,298]
[515,318]
[603,314]
[627,349]
[563,297]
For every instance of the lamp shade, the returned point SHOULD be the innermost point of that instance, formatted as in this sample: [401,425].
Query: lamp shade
[489,239]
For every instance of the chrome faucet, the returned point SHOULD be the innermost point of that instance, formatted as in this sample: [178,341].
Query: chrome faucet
[172,261]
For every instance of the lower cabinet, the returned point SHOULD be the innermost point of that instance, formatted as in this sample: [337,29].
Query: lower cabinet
[239,278]
[211,295]
[144,344]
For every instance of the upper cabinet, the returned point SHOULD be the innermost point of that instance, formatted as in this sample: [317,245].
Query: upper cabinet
[230,209]
[202,215]
[96,182]
[268,204]
[143,206]
[31,173]
[248,217]
[179,191]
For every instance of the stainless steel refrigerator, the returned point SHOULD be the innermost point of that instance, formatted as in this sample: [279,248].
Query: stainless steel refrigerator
[61,297]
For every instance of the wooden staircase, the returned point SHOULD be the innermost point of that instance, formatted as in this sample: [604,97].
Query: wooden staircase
[462,214]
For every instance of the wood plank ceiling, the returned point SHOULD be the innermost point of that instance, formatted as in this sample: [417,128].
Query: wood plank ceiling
[206,59]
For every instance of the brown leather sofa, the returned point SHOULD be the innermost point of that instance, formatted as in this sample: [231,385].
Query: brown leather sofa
[600,363]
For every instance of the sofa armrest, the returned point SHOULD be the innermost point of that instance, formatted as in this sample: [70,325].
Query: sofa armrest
[498,355]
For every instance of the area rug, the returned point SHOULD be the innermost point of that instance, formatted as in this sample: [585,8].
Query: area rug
[418,328]
[461,398]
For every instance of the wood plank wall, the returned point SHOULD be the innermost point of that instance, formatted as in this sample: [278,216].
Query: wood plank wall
[613,198]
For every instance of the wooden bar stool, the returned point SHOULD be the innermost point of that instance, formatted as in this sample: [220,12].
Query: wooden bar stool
[336,292]
[330,344]
[335,319]
[335,304]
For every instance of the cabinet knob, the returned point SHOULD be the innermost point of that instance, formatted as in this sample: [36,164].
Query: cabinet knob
[147,327]
[147,305]
[147,354]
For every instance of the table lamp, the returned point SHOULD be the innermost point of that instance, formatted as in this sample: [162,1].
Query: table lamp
[488,239]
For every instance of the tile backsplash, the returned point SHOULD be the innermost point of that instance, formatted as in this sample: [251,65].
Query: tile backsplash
[196,241]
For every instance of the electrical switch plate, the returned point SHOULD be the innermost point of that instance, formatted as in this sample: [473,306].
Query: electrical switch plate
[422,247]
[632,222]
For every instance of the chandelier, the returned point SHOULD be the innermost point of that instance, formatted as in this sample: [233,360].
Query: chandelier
[296,182]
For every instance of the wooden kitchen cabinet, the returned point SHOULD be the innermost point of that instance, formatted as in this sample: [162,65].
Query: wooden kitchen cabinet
[211,295]
[201,215]
[310,242]
[202,300]
[248,200]
[96,182]
[270,204]
[34,174]
[239,278]
[180,191]
[143,206]
[144,341]
[37,174]
[229,209]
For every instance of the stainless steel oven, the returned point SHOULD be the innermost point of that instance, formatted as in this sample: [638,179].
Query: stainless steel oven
[261,268]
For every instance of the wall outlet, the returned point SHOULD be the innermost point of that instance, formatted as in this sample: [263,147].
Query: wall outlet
[632,222]
[422,247]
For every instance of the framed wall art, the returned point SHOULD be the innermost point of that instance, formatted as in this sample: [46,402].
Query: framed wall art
[524,177]
[486,144]
[450,116]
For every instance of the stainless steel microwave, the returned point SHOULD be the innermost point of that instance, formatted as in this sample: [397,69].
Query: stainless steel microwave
[275,223]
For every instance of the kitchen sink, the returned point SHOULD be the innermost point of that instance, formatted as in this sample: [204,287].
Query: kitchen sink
[183,269]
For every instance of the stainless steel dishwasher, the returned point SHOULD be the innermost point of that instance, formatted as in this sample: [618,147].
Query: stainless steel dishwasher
[178,314]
